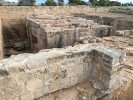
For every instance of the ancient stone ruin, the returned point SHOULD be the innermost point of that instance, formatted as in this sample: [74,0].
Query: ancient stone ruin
[48,32]
[65,53]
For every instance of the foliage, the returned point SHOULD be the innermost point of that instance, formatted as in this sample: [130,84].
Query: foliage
[103,2]
[50,3]
[114,3]
[93,2]
[42,4]
[74,2]
[83,3]
[128,4]
[26,2]
[60,2]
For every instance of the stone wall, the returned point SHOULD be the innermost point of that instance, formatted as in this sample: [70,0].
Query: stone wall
[14,15]
[13,19]
[117,22]
[52,32]
[124,24]
[124,10]
[31,76]
[124,33]
[1,42]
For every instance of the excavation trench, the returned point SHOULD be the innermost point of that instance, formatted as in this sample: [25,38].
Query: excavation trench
[31,35]
[88,71]
[116,21]
[34,76]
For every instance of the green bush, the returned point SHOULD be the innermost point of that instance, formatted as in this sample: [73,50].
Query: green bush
[50,3]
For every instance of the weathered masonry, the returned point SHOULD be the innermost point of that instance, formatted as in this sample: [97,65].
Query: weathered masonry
[117,22]
[1,42]
[60,31]
[53,53]
[35,75]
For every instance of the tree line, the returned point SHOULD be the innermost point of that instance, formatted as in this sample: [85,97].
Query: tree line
[108,3]
[51,2]
[74,2]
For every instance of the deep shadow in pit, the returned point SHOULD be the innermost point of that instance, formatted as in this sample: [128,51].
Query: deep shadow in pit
[14,37]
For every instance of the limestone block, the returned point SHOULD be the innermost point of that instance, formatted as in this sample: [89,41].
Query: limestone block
[36,62]
[24,77]
[86,65]
[45,89]
[86,72]
[54,72]
[28,96]
[85,42]
[7,81]
[2,95]
[34,84]
[54,86]
[38,93]
[101,31]
[15,91]
[33,65]
[65,83]
[113,59]
[39,73]
[126,32]
[1,42]
[73,60]
[53,68]
[131,32]
[83,77]
[62,73]
[119,33]
[107,60]
[17,67]
[76,69]
[74,80]
[56,59]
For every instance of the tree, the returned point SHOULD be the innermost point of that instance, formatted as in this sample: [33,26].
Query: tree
[114,3]
[42,4]
[93,2]
[74,2]
[50,3]
[60,2]
[103,2]
[130,4]
[82,3]
[26,2]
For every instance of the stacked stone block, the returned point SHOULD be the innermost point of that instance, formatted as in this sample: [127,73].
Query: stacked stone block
[35,75]
[61,31]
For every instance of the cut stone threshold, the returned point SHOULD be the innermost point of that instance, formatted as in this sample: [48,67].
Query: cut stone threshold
[32,76]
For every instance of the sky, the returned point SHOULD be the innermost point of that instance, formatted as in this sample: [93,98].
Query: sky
[39,1]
